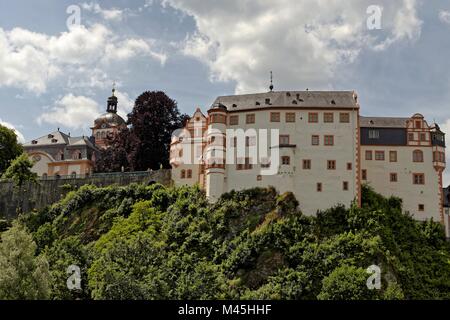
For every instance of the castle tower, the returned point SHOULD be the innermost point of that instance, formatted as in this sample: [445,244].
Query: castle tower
[216,152]
[108,124]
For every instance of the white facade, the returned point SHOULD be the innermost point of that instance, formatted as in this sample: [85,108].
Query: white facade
[319,154]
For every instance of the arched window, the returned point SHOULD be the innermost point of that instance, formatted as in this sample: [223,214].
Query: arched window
[97,135]
[183,174]
[61,156]
[417,156]
[189,174]
[73,175]
[44,176]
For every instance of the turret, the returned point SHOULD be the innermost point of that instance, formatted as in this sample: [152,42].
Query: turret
[216,151]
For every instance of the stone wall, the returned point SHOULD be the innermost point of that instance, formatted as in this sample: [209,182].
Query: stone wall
[47,192]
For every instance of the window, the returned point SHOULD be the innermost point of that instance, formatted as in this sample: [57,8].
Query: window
[218,118]
[421,207]
[438,156]
[250,118]
[189,174]
[306,164]
[313,117]
[315,140]
[345,186]
[284,140]
[411,136]
[244,164]
[423,137]
[80,156]
[183,174]
[328,117]
[374,134]
[331,164]
[379,155]
[290,117]
[344,117]
[61,157]
[349,166]
[259,177]
[265,163]
[285,160]
[418,178]
[73,175]
[417,156]
[364,174]
[274,117]
[44,176]
[234,120]
[329,140]
[394,177]
[369,155]
[393,156]
[418,124]
[319,187]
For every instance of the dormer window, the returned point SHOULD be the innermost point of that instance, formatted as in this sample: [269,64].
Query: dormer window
[267,101]
[34,142]
[54,140]
[50,136]
[257,103]
[234,105]
[333,102]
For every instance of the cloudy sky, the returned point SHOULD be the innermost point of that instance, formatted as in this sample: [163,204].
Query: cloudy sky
[54,73]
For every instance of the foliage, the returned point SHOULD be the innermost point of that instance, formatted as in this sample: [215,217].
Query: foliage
[9,147]
[23,276]
[155,242]
[145,144]
[20,171]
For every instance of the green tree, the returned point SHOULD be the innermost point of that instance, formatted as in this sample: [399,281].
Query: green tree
[346,283]
[20,171]
[9,147]
[23,276]
[145,144]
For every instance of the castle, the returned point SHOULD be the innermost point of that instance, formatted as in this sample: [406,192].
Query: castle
[321,149]
[312,143]
[58,154]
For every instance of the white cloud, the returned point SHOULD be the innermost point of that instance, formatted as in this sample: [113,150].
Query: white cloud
[406,25]
[132,48]
[20,136]
[302,41]
[113,14]
[71,111]
[126,104]
[444,16]
[31,60]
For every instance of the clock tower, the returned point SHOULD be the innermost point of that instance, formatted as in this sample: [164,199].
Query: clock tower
[107,125]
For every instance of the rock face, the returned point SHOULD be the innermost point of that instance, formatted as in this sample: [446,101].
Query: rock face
[46,192]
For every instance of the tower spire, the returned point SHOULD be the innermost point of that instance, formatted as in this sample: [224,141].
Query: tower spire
[112,101]
[271,81]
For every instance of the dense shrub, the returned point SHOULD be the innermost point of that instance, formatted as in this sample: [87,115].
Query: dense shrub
[154,242]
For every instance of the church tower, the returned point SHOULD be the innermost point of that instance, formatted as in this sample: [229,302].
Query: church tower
[108,124]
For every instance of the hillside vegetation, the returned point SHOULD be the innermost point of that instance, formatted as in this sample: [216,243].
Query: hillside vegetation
[154,242]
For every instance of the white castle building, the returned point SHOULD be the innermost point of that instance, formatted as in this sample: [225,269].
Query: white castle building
[315,144]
